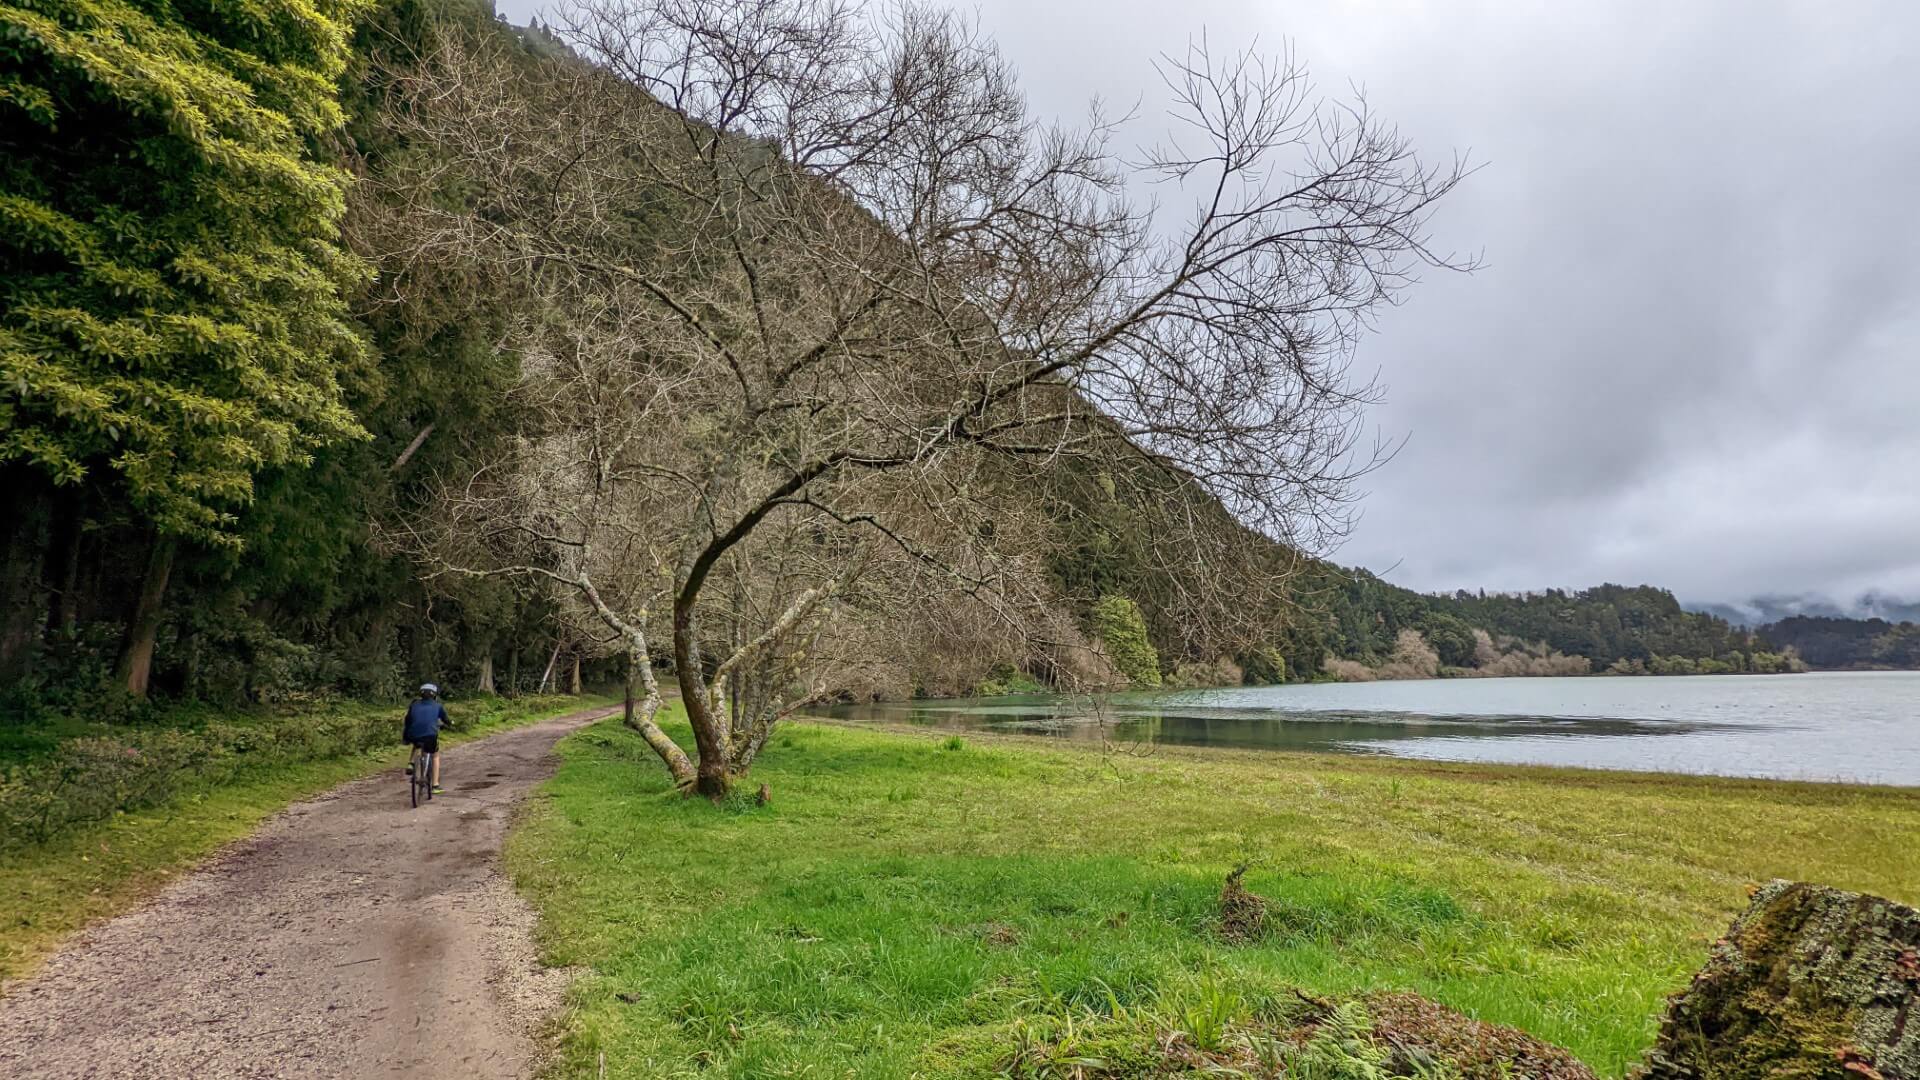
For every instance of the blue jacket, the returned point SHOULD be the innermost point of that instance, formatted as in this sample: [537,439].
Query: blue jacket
[424,718]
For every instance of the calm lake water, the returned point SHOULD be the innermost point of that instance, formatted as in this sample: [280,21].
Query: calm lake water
[1855,727]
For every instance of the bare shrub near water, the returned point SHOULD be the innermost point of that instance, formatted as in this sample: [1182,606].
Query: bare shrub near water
[816,315]
[1347,670]
[1412,658]
[1517,658]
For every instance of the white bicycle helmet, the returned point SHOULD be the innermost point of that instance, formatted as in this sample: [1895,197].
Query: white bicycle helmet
[429,689]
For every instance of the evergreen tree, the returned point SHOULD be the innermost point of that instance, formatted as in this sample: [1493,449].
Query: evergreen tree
[171,271]
[170,262]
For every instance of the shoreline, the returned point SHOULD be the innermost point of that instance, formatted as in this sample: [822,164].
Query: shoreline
[1452,767]
[1851,729]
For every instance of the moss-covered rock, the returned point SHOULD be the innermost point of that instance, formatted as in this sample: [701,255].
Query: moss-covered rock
[1810,982]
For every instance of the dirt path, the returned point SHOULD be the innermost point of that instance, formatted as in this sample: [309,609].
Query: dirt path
[351,936]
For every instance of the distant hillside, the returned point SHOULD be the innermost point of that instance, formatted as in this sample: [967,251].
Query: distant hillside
[1365,626]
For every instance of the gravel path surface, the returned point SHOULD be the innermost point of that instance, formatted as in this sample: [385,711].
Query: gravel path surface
[351,936]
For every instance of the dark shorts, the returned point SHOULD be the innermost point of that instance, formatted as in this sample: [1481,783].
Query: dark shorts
[427,743]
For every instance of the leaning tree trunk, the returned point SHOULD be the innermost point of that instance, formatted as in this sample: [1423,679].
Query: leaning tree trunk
[643,703]
[136,652]
[1810,982]
[714,777]
[547,675]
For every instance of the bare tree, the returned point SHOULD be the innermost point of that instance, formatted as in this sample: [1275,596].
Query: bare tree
[814,304]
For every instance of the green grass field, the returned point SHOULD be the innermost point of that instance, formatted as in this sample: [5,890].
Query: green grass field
[906,899]
[53,889]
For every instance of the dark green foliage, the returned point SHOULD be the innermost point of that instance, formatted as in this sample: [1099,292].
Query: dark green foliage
[1605,624]
[284,594]
[1829,642]
[1451,637]
[1638,629]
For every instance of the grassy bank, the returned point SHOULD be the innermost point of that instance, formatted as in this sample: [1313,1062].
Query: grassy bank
[905,899]
[54,888]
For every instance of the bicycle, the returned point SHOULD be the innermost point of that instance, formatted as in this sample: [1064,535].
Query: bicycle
[420,781]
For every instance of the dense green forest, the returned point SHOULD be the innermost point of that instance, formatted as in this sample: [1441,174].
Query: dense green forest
[1826,641]
[307,391]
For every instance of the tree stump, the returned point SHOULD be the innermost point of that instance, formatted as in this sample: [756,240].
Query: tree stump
[1810,982]
[1243,914]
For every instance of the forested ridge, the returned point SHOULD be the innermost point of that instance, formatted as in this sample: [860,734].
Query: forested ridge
[1608,629]
[348,345]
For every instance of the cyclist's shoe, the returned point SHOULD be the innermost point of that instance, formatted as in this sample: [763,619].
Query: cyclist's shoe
[409,770]
[438,790]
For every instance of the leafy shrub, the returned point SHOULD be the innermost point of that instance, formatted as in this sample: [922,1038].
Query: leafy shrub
[1206,1014]
[1118,624]
[1006,679]
[74,678]
[1264,666]
[1342,1048]
[94,776]
[1200,675]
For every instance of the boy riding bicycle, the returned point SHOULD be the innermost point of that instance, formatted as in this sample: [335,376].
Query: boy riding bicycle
[422,731]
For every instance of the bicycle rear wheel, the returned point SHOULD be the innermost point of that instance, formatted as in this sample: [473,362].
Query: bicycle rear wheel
[414,782]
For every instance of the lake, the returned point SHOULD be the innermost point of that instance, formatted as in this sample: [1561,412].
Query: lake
[1854,727]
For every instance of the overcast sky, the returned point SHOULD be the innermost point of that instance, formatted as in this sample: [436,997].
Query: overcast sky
[1691,359]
